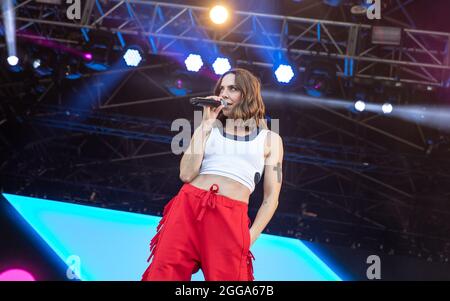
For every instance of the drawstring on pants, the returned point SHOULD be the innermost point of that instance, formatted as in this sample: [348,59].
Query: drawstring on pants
[209,200]
[250,258]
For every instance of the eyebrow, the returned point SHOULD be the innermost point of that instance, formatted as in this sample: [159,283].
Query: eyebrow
[230,86]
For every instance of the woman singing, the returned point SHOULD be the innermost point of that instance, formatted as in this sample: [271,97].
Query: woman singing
[206,225]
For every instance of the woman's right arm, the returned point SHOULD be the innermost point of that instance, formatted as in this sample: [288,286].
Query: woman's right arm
[193,156]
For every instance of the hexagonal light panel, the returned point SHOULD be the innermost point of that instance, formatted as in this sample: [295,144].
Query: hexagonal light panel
[194,62]
[132,57]
[284,73]
[221,65]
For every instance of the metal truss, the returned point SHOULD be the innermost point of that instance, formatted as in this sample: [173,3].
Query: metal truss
[165,26]
[80,120]
[330,189]
[358,195]
[65,160]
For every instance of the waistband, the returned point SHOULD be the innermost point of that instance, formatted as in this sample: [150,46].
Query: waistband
[220,199]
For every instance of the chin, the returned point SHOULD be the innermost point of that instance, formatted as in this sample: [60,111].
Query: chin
[226,113]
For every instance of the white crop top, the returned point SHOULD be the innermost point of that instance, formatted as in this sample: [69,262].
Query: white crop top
[240,158]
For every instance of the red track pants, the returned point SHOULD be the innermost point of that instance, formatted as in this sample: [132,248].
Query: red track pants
[202,229]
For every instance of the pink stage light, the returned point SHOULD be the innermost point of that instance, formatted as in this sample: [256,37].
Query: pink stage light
[16,275]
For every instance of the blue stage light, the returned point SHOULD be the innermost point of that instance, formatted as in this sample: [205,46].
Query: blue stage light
[132,57]
[221,65]
[387,108]
[194,62]
[13,60]
[360,106]
[284,73]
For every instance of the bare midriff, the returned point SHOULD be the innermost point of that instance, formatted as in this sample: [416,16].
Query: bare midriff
[227,186]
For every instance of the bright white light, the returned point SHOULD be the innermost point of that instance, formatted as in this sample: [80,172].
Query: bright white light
[36,63]
[360,105]
[13,60]
[132,57]
[218,14]
[221,65]
[387,108]
[284,73]
[9,22]
[193,62]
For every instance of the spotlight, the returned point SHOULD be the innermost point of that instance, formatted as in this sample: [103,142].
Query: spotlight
[133,56]
[13,60]
[87,56]
[221,65]
[387,108]
[360,106]
[9,31]
[284,73]
[218,14]
[42,60]
[193,62]
[36,63]
[15,64]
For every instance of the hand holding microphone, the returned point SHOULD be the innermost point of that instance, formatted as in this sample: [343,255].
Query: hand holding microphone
[212,105]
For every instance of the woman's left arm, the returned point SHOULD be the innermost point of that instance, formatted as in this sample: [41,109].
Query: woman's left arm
[272,185]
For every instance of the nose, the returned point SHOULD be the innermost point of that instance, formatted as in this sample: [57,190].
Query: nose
[223,94]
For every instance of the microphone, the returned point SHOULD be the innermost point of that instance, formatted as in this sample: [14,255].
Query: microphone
[201,101]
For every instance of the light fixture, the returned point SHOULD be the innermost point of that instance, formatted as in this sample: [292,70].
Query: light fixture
[133,56]
[13,60]
[360,106]
[387,108]
[221,65]
[193,62]
[284,73]
[218,14]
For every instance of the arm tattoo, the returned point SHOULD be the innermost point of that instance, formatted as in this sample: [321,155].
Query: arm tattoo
[278,169]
